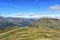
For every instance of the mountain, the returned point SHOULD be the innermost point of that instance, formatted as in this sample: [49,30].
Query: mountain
[6,22]
[41,29]
[42,23]
[47,23]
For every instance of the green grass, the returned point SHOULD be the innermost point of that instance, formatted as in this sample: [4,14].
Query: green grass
[30,33]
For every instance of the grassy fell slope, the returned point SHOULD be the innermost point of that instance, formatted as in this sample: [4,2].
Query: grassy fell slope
[30,34]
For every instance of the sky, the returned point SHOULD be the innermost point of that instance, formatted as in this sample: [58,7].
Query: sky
[30,8]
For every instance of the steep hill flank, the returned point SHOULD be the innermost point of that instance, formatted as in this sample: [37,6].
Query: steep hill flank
[47,23]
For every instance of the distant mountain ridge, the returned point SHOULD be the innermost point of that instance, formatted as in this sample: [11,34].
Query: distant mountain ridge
[15,21]
[44,23]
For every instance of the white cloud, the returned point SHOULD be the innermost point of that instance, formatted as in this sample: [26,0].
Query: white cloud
[19,14]
[27,16]
[32,15]
[55,7]
[35,16]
